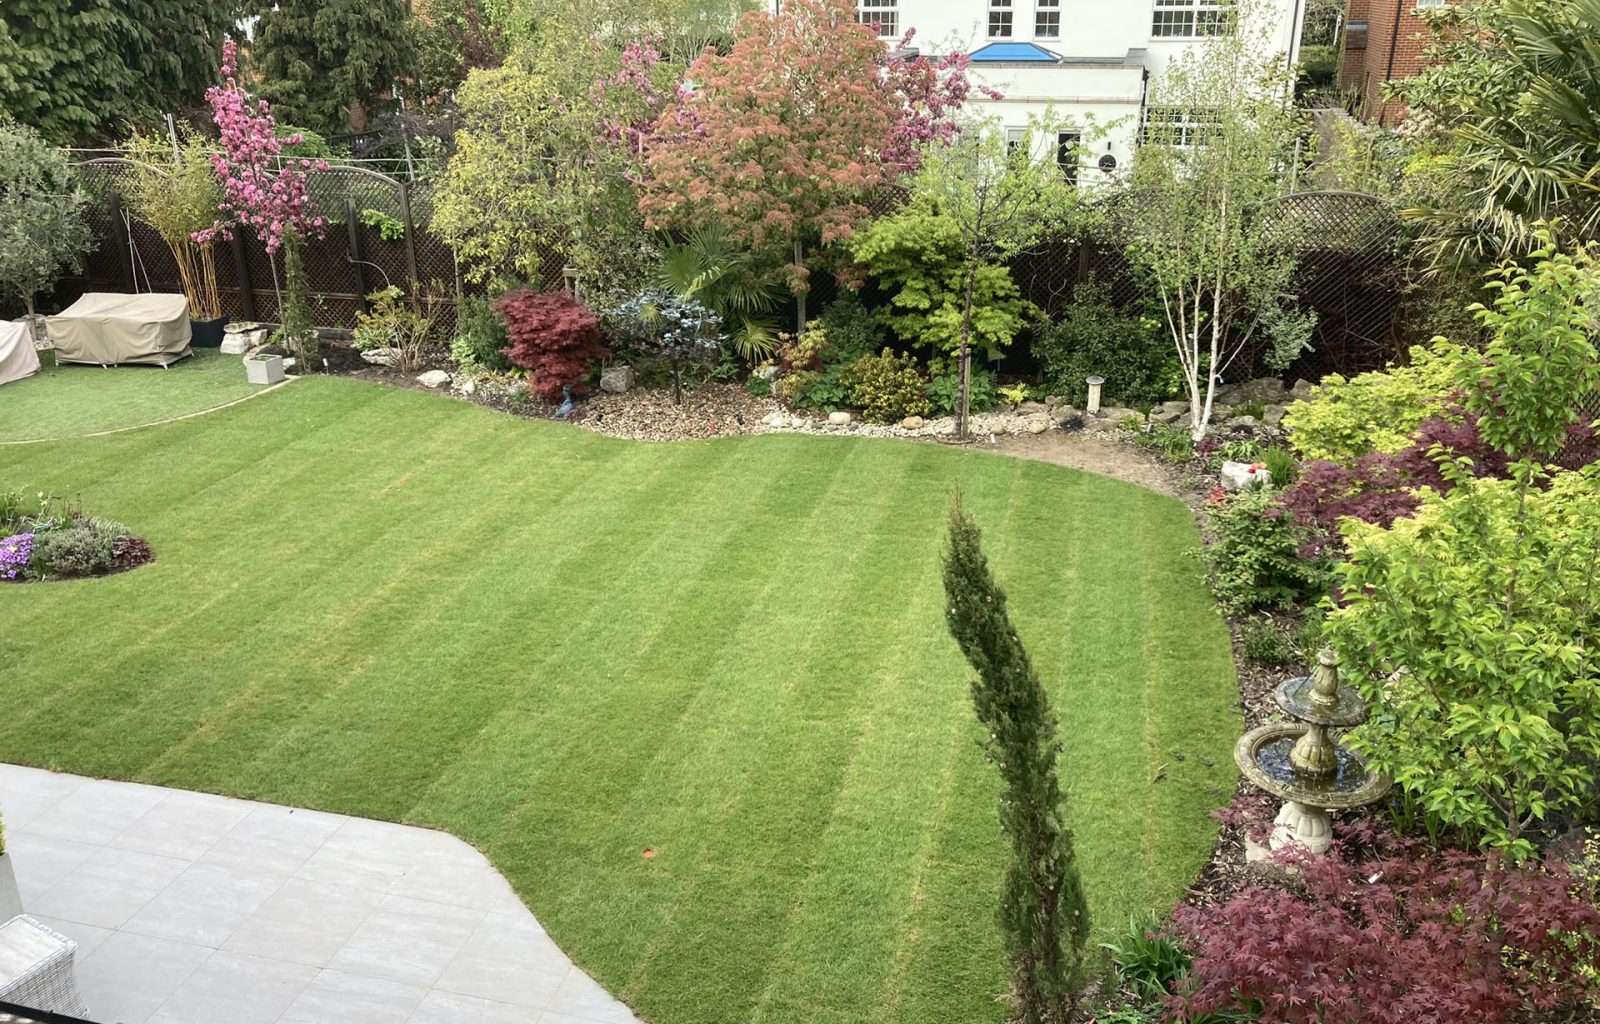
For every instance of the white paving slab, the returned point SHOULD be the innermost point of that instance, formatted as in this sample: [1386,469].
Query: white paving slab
[197,909]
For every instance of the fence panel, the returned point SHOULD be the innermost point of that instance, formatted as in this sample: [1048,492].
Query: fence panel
[1349,250]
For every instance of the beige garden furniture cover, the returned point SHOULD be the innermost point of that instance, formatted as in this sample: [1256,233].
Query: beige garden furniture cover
[111,327]
[17,356]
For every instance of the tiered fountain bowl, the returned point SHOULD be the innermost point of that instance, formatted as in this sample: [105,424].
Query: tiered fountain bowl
[1297,762]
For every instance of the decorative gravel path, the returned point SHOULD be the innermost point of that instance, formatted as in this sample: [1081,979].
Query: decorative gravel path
[196,909]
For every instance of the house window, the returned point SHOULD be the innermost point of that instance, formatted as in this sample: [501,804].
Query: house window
[1191,19]
[1047,19]
[881,13]
[999,19]
[1423,5]
[1171,126]
[1355,35]
[1016,141]
[1067,144]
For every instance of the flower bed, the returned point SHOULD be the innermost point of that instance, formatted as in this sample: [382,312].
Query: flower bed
[56,540]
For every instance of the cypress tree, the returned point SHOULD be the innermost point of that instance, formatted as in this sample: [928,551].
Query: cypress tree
[1043,917]
[328,65]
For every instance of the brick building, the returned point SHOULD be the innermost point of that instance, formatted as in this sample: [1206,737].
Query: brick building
[1383,42]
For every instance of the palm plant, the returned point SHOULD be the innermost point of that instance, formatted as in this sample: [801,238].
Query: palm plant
[707,269]
[1516,98]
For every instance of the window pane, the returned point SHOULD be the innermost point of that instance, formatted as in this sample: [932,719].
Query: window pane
[1047,23]
[1067,155]
[999,23]
[1173,23]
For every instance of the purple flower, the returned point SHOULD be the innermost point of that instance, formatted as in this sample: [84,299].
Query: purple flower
[15,552]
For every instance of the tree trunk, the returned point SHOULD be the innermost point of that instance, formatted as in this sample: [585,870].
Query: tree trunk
[799,296]
[963,405]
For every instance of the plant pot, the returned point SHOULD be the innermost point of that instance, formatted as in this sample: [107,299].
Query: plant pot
[10,898]
[263,369]
[207,333]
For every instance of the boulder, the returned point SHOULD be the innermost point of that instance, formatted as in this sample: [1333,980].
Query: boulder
[1301,390]
[1039,423]
[1266,390]
[1101,423]
[1272,415]
[1169,412]
[1028,408]
[1237,476]
[912,423]
[433,378]
[239,344]
[775,419]
[944,426]
[616,379]
[375,356]
[1068,418]
[1052,401]
[1242,423]
[469,387]
[840,418]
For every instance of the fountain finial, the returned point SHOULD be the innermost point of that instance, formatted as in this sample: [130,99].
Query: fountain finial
[1325,691]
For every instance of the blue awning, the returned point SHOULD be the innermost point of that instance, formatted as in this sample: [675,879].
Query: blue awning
[996,52]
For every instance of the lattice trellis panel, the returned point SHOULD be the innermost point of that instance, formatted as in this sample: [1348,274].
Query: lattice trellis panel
[1348,247]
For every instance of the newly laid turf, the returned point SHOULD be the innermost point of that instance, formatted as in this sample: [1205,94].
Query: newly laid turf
[71,399]
[568,649]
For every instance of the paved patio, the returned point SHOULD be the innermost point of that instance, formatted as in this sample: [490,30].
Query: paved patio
[197,909]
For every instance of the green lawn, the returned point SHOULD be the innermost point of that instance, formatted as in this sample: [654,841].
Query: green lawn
[566,648]
[71,399]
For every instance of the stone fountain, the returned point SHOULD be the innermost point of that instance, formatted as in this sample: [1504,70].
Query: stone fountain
[1299,764]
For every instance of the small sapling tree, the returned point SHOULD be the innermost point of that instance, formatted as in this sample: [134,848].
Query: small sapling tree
[984,200]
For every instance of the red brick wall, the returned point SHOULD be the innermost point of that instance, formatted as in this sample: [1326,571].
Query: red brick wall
[1392,53]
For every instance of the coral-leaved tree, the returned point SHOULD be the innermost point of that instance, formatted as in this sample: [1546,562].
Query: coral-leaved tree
[785,139]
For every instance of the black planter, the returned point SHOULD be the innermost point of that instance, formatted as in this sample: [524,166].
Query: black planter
[207,333]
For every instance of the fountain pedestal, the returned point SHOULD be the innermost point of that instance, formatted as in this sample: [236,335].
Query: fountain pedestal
[1297,824]
[1299,764]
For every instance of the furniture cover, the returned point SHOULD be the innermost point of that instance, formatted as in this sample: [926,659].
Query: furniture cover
[110,327]
[17,356]
[36,968]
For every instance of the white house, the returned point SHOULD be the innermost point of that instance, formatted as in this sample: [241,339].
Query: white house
[1089,60]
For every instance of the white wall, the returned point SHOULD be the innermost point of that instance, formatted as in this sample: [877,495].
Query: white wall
[1089,28]
[1115,33]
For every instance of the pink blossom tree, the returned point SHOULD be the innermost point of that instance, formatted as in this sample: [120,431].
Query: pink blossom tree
[265,192]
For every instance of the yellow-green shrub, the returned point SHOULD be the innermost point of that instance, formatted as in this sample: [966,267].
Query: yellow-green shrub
[886,387]
[1345,419]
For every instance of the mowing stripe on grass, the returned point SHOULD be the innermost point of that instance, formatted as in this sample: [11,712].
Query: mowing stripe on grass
[567,649]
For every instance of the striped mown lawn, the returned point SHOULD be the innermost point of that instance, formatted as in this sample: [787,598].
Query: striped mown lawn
[567,649]
[73,399]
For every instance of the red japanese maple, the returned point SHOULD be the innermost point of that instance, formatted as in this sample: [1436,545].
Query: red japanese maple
[554,336]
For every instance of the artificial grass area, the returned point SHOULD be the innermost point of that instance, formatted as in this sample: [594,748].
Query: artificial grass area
[72,399]
[566,649]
